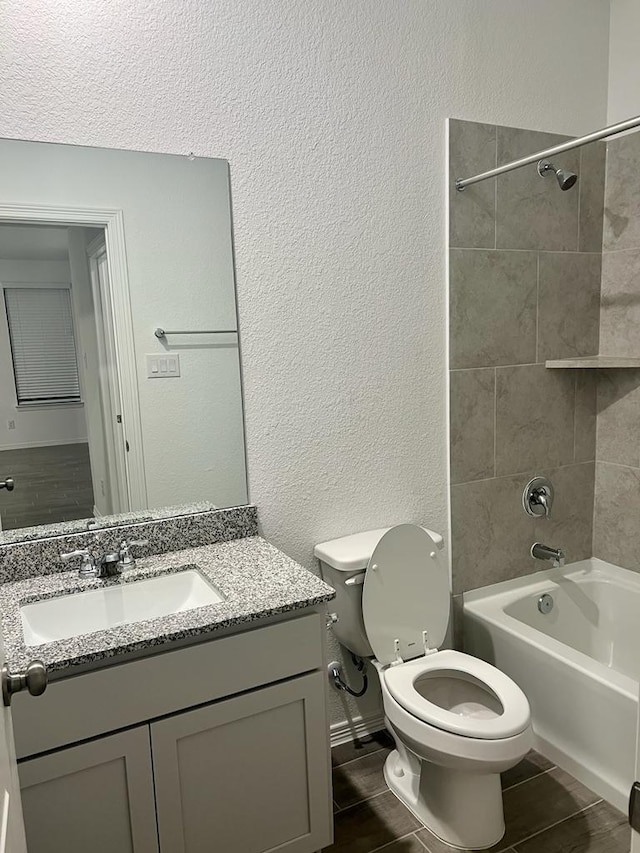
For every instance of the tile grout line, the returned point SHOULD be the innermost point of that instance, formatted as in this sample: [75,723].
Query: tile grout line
[495,423]
[529,778]
[537,307]
[531,251]
[359,758]
[365,800]
[515,844]
[387,844]
[532,470]
[575,413]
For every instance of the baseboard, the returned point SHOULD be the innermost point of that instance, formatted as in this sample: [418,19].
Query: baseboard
[351,729]
[31,444]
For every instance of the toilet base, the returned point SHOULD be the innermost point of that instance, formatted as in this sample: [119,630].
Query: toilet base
[462,809]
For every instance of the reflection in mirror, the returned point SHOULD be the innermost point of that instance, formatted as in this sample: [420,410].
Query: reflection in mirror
[101,413]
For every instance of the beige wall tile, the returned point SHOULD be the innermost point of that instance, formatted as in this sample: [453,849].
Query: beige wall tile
[619,417]
[472,424]
[570,525]
[622,200]
[591,180]
[534,418]
[533,212]
[493,307]
[568,304]
[620,304]
[472,149]
[616,532]
[585,418]
[491,535]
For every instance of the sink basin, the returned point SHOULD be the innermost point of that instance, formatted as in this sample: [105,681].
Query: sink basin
[100,609]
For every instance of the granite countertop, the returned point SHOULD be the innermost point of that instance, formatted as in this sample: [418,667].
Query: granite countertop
[256,580]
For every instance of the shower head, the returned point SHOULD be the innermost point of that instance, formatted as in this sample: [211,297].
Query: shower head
[565,178]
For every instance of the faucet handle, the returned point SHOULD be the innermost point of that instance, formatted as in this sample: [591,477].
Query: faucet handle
[537,497]
[126,558]
[87,566]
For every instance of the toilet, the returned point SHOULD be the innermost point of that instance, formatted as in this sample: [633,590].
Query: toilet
[457,721]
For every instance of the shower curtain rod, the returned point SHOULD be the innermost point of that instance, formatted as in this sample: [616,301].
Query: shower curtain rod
[630,123]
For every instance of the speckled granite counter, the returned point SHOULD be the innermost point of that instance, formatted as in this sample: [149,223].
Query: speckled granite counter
[256,580]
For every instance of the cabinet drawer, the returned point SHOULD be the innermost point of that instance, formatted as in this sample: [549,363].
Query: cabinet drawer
[115,697]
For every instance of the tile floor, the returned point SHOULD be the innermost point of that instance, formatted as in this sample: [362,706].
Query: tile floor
[546,809]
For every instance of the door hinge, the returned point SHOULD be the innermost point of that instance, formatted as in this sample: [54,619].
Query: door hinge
[126,446]
[634,807]
[118,419]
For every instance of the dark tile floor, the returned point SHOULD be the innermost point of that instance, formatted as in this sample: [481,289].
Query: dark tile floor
[546,809]
[52,484]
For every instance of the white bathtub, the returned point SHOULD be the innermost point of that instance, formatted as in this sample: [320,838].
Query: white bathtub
[579,665]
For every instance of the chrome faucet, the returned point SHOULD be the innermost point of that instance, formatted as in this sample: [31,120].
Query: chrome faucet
[544,552]
[91,567]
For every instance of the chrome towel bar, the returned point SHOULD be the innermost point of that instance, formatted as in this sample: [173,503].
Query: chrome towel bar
[162,333]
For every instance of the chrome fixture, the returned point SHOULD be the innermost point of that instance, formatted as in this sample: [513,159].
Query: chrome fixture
[545,603]
[162,333]
[7,484]
[537,497]
[564,177]
[34,679]
[126,559]
[335,676]
[544,552]
[87,566]
[605,133]
[105,566]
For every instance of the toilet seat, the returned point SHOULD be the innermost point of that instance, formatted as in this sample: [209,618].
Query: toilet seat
[515,716]
[405,595]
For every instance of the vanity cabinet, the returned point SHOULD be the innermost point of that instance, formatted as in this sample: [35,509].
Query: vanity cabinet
[96,796]
[247,771]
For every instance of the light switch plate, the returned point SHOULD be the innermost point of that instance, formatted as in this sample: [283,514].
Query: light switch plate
[166,366]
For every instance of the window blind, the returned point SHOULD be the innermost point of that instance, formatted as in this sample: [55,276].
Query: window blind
[42,344]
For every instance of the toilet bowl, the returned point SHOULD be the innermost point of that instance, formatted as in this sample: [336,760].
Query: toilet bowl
[457,721]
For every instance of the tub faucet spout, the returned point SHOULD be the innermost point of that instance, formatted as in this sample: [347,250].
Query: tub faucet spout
[544,552]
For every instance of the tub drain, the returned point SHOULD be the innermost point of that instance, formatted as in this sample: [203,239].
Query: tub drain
[545,603]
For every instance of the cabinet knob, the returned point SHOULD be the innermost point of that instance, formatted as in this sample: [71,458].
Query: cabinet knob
[34,679]
[7,484]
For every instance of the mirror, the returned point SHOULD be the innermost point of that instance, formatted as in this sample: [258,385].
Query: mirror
[120,381]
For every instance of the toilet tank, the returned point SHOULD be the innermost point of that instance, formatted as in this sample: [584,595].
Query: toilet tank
[343,564]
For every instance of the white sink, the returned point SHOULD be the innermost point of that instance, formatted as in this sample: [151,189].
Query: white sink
[99,609]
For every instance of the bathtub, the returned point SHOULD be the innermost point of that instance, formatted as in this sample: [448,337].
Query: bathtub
[579,664]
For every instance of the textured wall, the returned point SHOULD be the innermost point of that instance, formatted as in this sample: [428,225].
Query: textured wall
[624,61]
[524,284]
[332,116]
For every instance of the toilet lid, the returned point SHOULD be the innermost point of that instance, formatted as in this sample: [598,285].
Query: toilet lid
[406,592]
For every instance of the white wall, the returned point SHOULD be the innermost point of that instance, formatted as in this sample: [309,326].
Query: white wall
[624,60]
[332,115]
[37,426]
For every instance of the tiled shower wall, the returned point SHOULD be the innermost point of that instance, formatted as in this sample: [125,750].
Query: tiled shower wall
[525,269]
[617,512]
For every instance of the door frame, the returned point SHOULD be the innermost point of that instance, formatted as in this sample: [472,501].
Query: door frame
[109,383]
[118,298]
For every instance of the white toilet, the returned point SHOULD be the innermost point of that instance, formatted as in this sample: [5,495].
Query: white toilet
[457,721]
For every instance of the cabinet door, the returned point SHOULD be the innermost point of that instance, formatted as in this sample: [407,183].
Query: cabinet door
[246,775]
[96,796]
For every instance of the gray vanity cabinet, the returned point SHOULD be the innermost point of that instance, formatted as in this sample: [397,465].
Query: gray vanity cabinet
[96,796]
[221,747]
[246,775]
